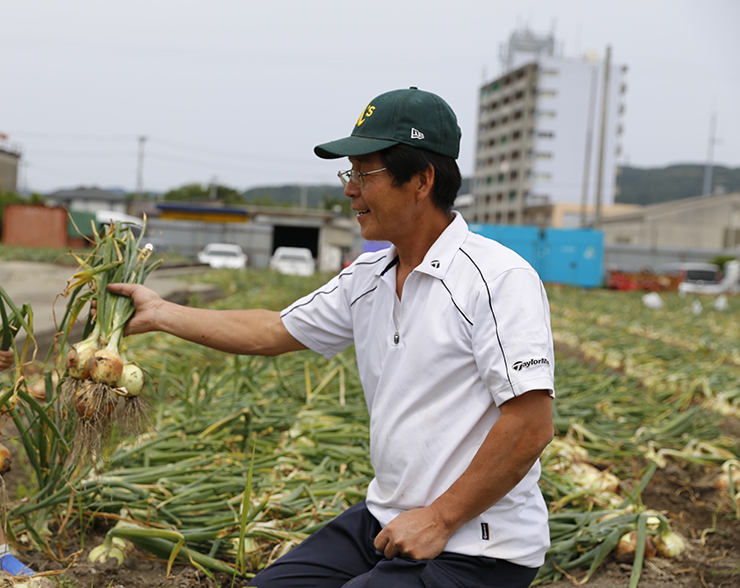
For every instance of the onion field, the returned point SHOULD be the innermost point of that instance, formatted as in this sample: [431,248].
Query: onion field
[241,458]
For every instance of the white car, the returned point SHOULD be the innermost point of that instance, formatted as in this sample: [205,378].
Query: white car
[220,255]
[295,261]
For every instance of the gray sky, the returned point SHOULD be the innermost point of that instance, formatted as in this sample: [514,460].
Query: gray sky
[242,90]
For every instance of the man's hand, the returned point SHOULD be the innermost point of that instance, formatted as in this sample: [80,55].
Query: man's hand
[6,359]
[418,534]
[146,302]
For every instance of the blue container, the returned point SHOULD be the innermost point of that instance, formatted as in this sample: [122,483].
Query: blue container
[563,256]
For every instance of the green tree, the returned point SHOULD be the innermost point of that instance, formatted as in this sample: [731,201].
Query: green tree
[329,202]
[201,193]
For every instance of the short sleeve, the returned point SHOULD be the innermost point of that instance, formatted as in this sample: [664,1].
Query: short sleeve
[512,338]
[322,320]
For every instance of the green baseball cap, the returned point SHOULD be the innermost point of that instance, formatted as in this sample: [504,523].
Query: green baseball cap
[412,117]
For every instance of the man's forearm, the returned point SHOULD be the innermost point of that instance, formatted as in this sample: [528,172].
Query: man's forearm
[243,332]
[509,451]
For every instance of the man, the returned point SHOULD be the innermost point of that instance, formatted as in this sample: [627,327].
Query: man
[454,350]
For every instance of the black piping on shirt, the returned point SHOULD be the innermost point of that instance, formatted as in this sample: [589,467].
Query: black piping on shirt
[341,275]
[455,304]
[390,265]
[495,322]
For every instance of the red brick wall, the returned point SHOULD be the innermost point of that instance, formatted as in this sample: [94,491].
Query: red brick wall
[34,226]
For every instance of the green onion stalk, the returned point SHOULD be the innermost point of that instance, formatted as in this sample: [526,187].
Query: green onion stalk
[101,385]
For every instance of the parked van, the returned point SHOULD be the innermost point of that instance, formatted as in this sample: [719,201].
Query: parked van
[692,272]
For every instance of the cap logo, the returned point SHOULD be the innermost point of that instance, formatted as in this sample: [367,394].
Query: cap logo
[415,134]
[365,113]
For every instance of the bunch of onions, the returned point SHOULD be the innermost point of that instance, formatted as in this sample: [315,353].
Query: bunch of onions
[99,379]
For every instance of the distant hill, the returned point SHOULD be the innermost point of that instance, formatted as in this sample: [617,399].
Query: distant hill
[314,195]
[653,185]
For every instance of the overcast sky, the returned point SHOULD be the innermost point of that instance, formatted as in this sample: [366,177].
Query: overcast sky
[241,91]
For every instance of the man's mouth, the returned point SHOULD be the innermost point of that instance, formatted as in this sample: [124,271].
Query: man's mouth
[361,212]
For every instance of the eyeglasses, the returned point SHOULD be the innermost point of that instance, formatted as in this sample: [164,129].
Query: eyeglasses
[356,177]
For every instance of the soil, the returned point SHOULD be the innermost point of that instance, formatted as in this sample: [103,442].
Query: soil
[700,513]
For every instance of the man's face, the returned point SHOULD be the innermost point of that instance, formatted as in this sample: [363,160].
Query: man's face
[384,211]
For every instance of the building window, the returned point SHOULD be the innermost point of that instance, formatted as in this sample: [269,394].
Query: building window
[516,135]
[511,217]
[500,197]
[519,95]
[513,175]
[515,155]
[488,198]
[500,178]
[485,218]
[498,218]
[518,115]
[502,140]
[512,195]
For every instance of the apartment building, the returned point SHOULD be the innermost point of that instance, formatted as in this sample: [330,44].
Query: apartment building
[539,136]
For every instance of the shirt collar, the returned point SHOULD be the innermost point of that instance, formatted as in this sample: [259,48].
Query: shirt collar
[439,257]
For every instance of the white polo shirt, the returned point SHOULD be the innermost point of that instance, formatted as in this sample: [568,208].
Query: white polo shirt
[471,331]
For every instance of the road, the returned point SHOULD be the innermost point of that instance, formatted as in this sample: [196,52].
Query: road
[41,284]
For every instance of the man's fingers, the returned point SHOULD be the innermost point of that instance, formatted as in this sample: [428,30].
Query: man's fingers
[384,545]
[121,289]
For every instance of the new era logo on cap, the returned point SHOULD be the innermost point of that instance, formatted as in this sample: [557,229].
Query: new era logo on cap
[416,134]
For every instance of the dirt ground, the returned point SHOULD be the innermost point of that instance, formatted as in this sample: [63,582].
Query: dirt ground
[700,513]
[697,511]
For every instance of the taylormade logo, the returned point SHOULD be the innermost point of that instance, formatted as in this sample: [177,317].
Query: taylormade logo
[416,134]
[521,365]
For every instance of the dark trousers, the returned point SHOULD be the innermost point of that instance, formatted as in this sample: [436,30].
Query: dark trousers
[342,555]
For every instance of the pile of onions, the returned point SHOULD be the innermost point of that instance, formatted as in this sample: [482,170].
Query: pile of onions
[99,379]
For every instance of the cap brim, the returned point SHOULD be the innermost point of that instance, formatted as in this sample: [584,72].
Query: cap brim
[351,146]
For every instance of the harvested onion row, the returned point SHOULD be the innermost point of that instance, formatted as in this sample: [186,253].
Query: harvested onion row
[101,386]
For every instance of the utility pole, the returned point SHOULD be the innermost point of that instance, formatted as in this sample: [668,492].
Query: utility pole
[589,141]
[707,188]
[140,167]
[602,137]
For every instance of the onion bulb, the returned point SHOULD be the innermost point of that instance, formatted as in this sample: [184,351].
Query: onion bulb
[78,356]
[628,546]
[5,459]
[106,366]
[131,380]
[669,544]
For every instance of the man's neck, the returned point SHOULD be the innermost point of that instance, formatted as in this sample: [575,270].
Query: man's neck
[413,248]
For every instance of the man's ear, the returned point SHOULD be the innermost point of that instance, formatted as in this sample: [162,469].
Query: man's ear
[425,183]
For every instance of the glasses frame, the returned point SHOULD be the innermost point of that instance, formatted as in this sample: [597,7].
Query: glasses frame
[356,177]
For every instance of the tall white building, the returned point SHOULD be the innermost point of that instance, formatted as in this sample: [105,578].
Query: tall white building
[539,136]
